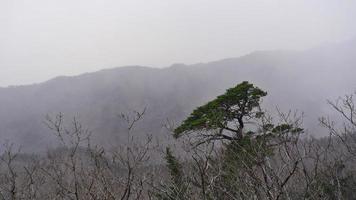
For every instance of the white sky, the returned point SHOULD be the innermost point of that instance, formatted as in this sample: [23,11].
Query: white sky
[40,39]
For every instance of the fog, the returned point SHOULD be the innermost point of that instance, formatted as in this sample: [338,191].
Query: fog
[177,99]
[301,52]
[41,39]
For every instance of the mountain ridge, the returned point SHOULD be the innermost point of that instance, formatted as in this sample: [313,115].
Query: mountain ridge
[293,79]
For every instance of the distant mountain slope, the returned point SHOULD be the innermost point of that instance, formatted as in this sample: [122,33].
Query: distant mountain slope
[294,80]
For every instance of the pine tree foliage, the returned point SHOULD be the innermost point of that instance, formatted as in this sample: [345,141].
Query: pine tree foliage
[227,112]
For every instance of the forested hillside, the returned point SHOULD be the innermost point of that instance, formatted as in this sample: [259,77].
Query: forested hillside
[298,80]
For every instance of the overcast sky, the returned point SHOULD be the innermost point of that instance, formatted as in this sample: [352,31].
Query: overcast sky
[40,39]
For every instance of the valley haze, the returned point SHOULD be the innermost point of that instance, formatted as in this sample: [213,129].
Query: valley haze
[296,80]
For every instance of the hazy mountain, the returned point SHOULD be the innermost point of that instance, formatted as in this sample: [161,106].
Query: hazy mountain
[300,80]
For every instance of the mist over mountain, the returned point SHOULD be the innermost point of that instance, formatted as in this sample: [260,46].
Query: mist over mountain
[298,80]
